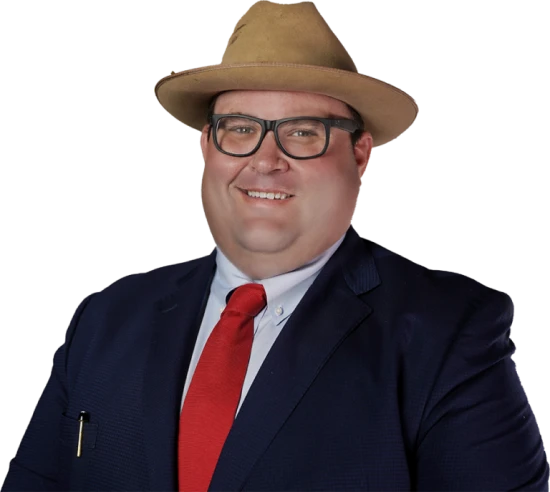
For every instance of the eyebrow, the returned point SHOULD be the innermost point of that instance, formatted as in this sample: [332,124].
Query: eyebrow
[328,115]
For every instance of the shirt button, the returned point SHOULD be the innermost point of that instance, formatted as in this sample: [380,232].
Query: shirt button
[279,310]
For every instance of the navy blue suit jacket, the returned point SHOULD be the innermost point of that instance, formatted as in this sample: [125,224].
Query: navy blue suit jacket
[388,376]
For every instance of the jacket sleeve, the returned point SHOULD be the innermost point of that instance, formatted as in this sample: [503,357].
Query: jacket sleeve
[478,431]
[35,465]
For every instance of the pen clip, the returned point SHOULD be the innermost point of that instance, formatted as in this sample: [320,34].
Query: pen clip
[83,418]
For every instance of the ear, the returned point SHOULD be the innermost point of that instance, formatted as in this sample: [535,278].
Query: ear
[205,140]
[361,151]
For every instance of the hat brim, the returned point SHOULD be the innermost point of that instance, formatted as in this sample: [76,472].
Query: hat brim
[386,111]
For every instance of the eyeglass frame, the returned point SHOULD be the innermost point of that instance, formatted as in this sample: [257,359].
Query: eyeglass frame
[345,124]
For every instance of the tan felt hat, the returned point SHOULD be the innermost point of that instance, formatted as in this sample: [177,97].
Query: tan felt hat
[288,48]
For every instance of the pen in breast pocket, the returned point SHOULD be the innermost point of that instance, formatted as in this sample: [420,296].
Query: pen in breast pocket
[82,419]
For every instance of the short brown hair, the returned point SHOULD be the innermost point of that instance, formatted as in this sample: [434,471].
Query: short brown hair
[354,115]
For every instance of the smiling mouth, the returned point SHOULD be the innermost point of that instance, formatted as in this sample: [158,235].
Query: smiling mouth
[266,198]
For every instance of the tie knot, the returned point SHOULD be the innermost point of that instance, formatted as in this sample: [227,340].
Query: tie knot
[247,299]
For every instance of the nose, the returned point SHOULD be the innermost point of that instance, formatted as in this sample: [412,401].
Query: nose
[269,141]
[269,157]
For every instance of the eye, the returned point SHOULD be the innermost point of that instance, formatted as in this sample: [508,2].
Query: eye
[242,130]
[302,133]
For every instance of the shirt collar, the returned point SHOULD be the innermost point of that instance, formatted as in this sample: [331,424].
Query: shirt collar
[283,292]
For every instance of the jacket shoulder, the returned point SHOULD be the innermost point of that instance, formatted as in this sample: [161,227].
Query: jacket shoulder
[150,285]
[423,285]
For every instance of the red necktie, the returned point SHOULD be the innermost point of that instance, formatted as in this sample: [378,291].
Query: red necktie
[213,396]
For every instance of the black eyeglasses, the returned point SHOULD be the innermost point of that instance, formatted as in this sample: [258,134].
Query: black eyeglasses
[301,137]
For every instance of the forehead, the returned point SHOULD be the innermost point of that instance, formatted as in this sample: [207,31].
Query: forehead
[280,104]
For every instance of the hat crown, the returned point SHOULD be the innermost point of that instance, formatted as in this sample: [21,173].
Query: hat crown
[293,33]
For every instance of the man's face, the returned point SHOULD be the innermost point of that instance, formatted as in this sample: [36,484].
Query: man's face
[324,189]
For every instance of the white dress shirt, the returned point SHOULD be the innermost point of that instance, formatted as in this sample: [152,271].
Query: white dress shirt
[283,293]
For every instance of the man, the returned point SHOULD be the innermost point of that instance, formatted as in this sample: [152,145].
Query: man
[297,356]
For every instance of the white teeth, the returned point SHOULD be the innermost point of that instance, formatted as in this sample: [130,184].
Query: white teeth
[269,196]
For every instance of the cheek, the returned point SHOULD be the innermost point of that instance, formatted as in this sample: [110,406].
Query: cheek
[333,181]
[218,176]
[333,188]
[212,183]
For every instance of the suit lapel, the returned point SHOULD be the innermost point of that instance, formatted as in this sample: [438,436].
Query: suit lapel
[327,313]
[175,328]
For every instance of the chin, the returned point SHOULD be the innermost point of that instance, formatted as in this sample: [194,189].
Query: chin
[264,240]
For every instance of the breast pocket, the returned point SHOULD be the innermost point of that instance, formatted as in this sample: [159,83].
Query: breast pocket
[73,468]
